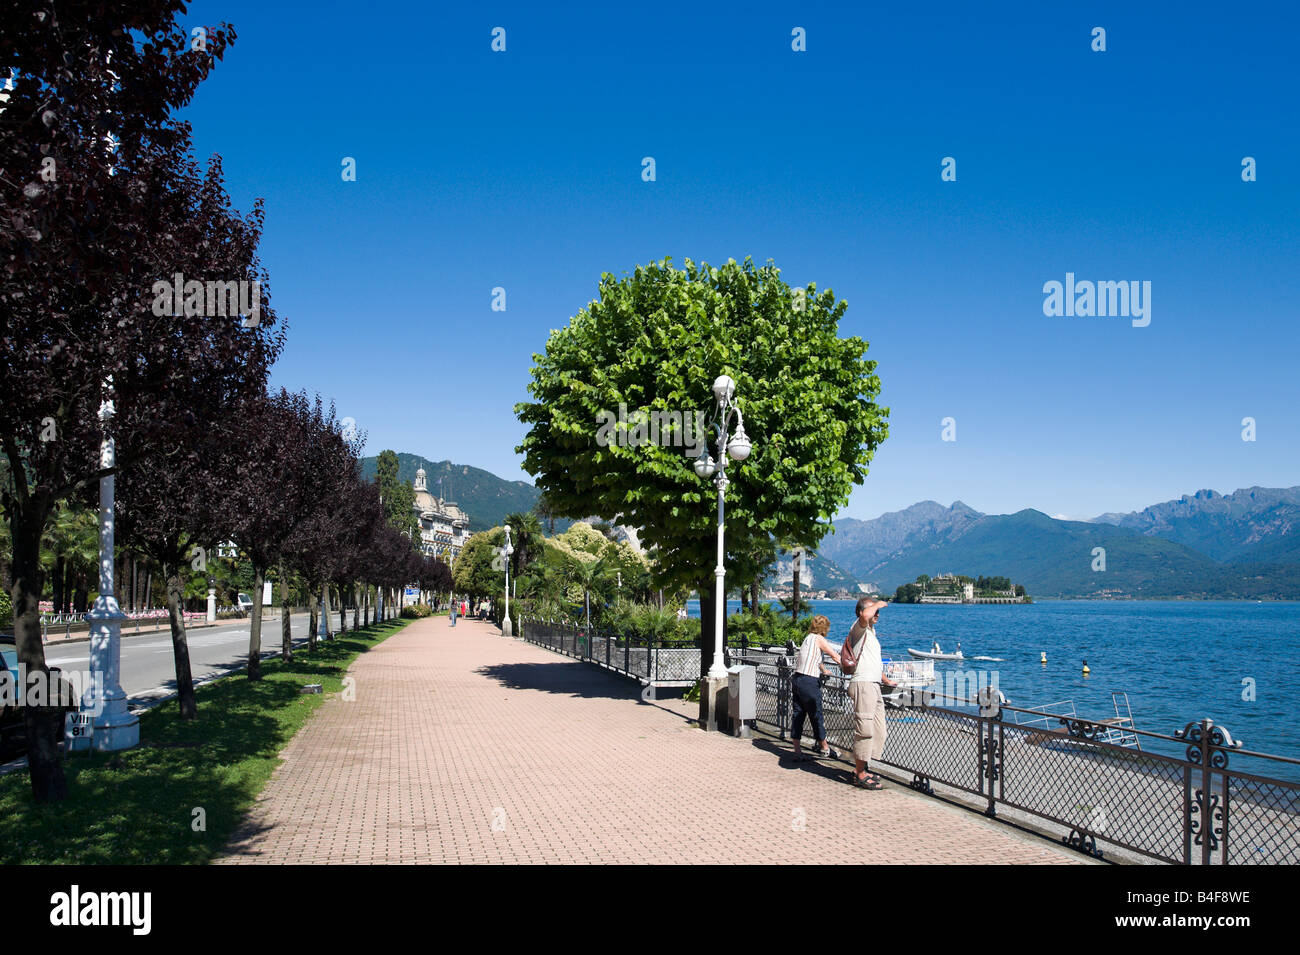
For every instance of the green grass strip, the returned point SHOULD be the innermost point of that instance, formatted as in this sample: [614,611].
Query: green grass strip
[137,806]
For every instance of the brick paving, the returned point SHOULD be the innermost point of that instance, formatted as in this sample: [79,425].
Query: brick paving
[465,746]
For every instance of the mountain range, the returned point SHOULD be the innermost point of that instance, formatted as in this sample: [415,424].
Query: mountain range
[1241,545]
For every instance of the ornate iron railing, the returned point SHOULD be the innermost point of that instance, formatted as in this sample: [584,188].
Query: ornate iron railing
[1066,777]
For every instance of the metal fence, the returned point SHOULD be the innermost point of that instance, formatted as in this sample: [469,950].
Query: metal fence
[1067,776]
[642,658]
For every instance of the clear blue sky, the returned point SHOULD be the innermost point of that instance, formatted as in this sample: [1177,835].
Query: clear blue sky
[523,170]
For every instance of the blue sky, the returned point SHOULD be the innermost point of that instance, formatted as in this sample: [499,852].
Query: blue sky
[522,170]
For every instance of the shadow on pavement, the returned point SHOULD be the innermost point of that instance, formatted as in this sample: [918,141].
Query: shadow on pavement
[573,678]
[835,770]
[570,678]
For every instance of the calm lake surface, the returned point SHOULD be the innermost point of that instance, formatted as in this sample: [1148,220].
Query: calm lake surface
[1178,660]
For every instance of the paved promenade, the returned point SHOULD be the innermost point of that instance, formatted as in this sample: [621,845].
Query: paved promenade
[464,746]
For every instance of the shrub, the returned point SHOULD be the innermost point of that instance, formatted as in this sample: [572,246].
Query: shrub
[767,627]
[416,611]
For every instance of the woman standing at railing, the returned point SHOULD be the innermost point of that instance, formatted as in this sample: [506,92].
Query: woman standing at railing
[806,687]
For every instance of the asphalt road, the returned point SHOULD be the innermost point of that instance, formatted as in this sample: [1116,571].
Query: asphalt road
[149,668]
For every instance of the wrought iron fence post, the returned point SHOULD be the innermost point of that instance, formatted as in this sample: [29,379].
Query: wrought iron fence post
[607,651]
[1205,812]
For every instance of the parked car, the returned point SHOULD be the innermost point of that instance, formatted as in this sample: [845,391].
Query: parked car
[244,603]
[13,732]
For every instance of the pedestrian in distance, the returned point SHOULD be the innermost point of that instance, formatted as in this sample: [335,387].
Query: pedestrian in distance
[860,657]
[453,613]
[806,687]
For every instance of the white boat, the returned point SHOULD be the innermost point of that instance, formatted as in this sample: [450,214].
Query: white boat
[936,653]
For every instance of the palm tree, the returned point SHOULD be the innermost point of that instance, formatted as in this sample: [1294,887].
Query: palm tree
[545,511]
[70,548]
[587,575]
[526,537]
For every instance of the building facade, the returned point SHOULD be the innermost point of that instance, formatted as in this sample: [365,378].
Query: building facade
[444,527]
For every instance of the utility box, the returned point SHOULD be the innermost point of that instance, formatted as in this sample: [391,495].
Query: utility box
[742,698]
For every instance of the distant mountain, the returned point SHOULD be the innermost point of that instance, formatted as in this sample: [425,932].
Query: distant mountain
[486,498]
[862,548]
[1254,524]
[1244,545]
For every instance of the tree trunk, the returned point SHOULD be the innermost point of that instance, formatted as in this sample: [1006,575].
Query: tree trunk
[58,584]
[311,626]
[82,602]
[180,645]
[794,608]
[148,587]
[753,597]
[367,599]
[286,634]
[255,628]
[343,612]
[41,723]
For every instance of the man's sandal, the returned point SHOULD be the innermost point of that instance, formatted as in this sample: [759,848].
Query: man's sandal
[866,782]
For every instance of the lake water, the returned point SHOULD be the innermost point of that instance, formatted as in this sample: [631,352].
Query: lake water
[1178,660]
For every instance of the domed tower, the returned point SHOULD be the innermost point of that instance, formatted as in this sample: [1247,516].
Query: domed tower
[421,482]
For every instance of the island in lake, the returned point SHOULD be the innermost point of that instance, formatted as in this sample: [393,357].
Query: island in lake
[961,589]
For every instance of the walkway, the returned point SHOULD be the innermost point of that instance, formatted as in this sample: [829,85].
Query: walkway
[464,746]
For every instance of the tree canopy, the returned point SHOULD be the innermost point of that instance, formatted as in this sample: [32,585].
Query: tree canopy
[655,341]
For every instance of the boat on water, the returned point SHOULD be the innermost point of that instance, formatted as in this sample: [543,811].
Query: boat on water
[936,653]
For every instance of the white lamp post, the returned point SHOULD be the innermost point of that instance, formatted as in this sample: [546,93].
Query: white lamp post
[507,628]
[738,448]
[115,727]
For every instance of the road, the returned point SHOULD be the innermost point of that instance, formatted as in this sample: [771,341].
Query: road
[148,666]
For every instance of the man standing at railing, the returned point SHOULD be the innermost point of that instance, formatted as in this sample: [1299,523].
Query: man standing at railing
[865,692]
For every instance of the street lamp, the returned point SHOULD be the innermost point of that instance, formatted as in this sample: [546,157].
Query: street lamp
[737,448]
[114,726]
[507,628]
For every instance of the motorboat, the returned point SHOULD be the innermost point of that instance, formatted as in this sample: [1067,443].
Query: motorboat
[936,653]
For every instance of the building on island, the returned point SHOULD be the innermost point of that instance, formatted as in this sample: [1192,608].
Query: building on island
[444,527]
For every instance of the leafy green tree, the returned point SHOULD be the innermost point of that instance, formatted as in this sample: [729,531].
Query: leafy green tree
[908,594]
[655,341]
[399,496]
[479,571]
